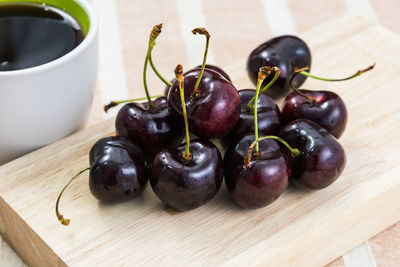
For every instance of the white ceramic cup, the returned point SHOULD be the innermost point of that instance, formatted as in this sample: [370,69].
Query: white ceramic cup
[45,103]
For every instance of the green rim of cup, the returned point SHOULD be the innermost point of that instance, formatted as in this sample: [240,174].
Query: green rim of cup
[70,6]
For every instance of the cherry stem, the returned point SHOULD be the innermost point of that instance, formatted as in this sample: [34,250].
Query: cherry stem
[167,83]
[262,74]
[201,31]
[277,72]
[116,103]
[297,72]
[180,79]
[303,71]
[146,90]
[358,73]
[60,217]
[152,42]
[295,152]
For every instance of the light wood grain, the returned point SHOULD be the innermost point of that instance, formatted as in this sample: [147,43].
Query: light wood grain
[17,233]
[302,229]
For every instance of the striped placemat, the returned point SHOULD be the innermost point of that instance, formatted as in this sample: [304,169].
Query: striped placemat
[236,27]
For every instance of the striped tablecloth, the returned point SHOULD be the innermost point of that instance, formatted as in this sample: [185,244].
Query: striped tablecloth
[237,26]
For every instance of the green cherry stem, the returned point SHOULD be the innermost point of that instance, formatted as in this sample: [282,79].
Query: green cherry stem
[201,31]
[262,74]
[277,72]
[297,72]
[180,79]
[116,103]
[303,71]
[60,217]
[295,152]
[167,83]
[358,73]
[152,42]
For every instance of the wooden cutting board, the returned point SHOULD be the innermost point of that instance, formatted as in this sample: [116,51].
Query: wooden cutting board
[300,228]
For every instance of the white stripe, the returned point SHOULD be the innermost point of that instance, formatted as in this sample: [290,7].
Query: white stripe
[111,76]
[361,7]
[278,17]
[359,256]
[190,14]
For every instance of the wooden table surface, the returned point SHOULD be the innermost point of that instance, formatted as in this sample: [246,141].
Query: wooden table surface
[124,27]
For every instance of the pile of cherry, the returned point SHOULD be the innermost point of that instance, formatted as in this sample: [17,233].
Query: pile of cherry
[265,148]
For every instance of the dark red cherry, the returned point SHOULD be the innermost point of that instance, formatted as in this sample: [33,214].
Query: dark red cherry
[286,52]
[322,158]
[269,115]
[328,110]
[187,184]
[207,66]
[117,169]
[153,129]
[264,180]
[214,110]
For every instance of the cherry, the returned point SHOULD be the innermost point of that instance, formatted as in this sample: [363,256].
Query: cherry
[150,124]
[213,102]
[207,66]
[214,111]
[187,176]
[152,128]
[323,107]
[117,172]
[322,158]
[117,169]
[269,115]
[327,109]
[187,184]
[263,180]
[286,52]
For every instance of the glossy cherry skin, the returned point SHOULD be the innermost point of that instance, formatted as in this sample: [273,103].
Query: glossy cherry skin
[268,115]
[329,110]
[214,111]
[207,66]
[187,184]
[117,169]
[152,129]
[286,52]
[322,158]
[264,180]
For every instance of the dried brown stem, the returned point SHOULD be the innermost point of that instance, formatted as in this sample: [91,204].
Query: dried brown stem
[202,31]
[155,32]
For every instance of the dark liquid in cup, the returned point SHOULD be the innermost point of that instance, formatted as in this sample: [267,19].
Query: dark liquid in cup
[35,34]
